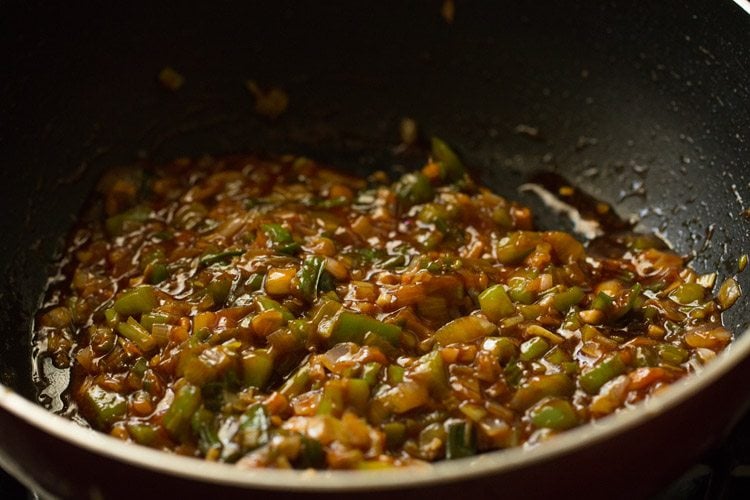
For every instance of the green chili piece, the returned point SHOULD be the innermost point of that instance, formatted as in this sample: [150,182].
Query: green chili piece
[501,217]
[531,311]
[434,213]
[645,356]
[461,440]
[148,320]
[110,316]
[157,272]
[142,433]
[139,367]
[633,301]
[610,367]
[370,372]
[332,402]
[602,301]
[265,303]
[464,329]
[309,276]
[502,347]
[139,300]
[281,238]
[358,394]
[352,327]
[105,406]
[394,261]
[219,290]
[567,299]
[557,414]
[209,259]
[513,373]
[289,248]
[395,434]
[539,387]
[116,225]
[186,401]
[312,455]
[254,282]
[671,354]
[413,188]
[452,168]
[557,356]
[533,348]
[134,332]
[277,233]
[521,295]
[395,374]
[431,369]
[257,367]
[495,303]
[515,247]
[296,383]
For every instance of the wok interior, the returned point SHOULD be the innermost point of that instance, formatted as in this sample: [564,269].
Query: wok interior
[639,105]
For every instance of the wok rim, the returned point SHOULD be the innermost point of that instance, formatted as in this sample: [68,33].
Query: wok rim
[486,464]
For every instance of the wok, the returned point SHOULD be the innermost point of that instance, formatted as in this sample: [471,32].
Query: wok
[641,104]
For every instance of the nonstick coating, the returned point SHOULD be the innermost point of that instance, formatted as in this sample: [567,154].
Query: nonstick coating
[641,104]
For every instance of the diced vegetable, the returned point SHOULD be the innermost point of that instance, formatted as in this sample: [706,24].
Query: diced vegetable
[464,329]
[495,303]
[672,354]
[557,414]
[177,418]
[104,407]
[413,189]
[148,320]
[461,440]
[539,387]
[602,301]
[352,327]
[311,455]
[281,239]
[133,331]
[257,367]
[223,257]
[266,303]
[533,348]
[502,347]
[395,434]
[142,433]
[452,168]
[515,247]
[117,224]
[309,276]
[139,300]
[607,369]
[567,299]
[296,383]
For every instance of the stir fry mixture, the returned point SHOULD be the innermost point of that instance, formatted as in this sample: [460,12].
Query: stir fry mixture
[276,313]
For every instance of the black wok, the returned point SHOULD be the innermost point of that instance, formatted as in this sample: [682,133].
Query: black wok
[642,104]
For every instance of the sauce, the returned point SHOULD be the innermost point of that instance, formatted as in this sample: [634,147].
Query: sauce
[278,313]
